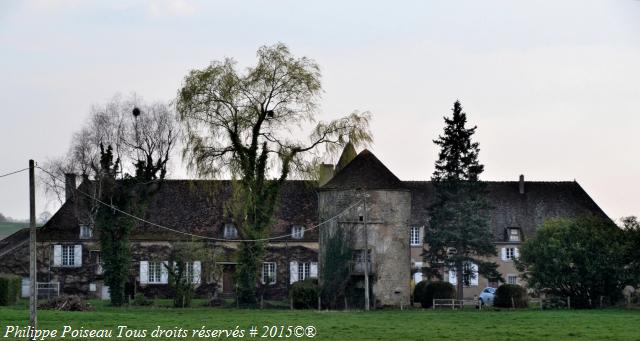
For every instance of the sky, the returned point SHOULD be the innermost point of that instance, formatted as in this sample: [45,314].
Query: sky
[552,85]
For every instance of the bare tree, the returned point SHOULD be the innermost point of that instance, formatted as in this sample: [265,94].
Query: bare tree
[124,145]
[143,140]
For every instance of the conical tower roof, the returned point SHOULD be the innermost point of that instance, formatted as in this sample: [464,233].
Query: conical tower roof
[348,154]
[364,171]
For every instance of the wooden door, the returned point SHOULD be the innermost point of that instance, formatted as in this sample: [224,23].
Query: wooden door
[228,281]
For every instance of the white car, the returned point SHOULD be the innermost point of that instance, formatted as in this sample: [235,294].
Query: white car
[486,296]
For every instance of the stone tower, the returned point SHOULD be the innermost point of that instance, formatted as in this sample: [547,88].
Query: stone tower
[388,208]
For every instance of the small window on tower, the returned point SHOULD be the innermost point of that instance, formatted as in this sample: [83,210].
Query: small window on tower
[297,232]
[230,231]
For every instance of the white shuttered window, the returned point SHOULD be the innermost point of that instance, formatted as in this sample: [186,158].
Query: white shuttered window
[67,255]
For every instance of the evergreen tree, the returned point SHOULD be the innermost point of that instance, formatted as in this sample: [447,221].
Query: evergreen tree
[458,233]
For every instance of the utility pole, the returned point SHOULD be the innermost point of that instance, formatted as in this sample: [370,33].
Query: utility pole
[33,298]
[366,255]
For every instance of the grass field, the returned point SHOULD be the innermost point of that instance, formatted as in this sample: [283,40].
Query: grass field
[377,325]
[9,228]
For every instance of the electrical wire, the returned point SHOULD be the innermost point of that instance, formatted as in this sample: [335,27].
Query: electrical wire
[15,172]
[200,236]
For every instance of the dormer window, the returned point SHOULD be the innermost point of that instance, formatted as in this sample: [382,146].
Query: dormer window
[513,235]
[230,231]
[297,232]
[86,232]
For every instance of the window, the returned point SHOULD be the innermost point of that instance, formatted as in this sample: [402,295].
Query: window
[514,235]
[304,270]
[512,279]
[188,271]
[97,261]
[155,272]
[509,253]
[297,232]
[230,231]
[358,256]
[469,278]
[415,236]
[269,273]
[86,232]
[359,261]
[68,255]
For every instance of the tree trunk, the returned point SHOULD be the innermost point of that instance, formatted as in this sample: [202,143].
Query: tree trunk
[460,281]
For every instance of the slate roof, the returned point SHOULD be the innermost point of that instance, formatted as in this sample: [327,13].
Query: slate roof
[194,206]
[197,206]
[364,171]
[541,201]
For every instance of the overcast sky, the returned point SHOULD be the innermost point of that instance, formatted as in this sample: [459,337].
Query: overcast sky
[552,85]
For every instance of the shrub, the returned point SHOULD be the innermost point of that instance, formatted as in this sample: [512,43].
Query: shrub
[425,292]
[10,286]
[507,292]
[141,300]
[304,294]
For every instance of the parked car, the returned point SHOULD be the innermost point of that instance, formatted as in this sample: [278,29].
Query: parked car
[487,295]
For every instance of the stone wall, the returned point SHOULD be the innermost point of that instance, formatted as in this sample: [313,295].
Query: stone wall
[388,213]
[81,280]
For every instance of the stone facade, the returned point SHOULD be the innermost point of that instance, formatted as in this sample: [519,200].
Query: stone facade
[387,235]
[394,208]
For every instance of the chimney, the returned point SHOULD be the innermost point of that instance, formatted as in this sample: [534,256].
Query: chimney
[69,186]
[326,173]
[521,184]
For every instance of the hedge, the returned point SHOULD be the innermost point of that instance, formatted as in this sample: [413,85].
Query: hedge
[304,294]
[10,287]
[425,292]
[506,292]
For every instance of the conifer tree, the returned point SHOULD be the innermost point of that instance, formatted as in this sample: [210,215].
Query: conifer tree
[458,233]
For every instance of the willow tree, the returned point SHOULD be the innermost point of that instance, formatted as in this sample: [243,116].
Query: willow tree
[248,125]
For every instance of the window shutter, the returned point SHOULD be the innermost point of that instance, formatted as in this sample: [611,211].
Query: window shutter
[421,232]
[275,273]
[77,255]
[474,271]
[144,272]
[293,271]
[516,252]
[504,254]
[452,277]
[417,277]
[164,273]
[57,255]
[313,272]
[197,267]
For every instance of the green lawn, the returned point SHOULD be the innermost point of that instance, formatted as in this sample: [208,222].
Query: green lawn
[9,228]
[378,325]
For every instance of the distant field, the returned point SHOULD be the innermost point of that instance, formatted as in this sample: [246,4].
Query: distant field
[9,228]
[412,324]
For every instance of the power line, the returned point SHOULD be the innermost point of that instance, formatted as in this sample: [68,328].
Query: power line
[15,172]
[196,235]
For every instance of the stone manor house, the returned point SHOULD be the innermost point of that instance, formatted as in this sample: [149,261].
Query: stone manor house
[396,215]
